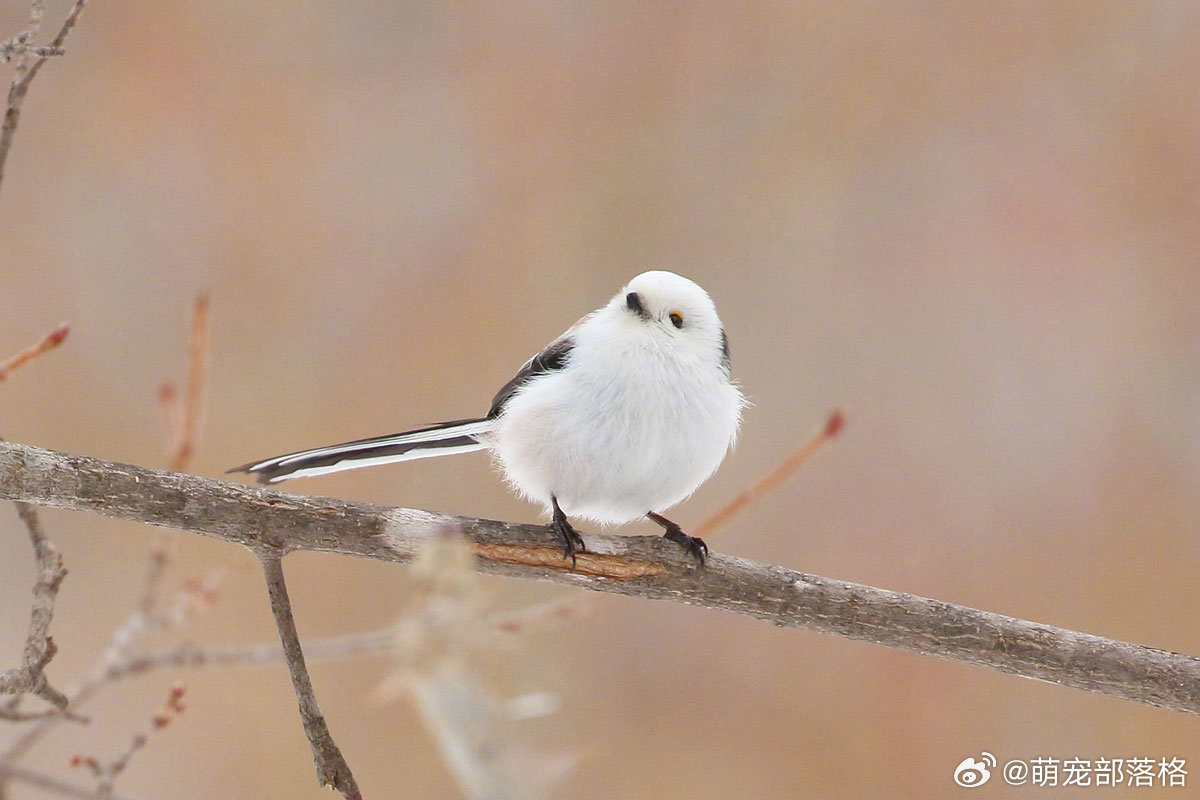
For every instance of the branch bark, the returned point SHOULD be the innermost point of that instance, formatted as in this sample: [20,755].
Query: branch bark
[30,677]
[332,769]
[638,566]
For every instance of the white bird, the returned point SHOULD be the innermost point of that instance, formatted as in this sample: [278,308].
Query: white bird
[622,416]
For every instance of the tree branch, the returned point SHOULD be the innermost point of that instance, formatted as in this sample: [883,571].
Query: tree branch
[25,74]
[30,677]
[638,566]
[116,657]
[332,769]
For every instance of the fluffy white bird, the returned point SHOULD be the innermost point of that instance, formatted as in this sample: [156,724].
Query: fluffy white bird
[623,416]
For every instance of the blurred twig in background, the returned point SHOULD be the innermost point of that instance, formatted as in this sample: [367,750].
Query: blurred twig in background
[183,417]
[106,773]
[377,642]
[19,48]
[19,45]
[438,646]
[48,342]
[193,597]
[832,427]
[53,785]
[150,613]
[636,566]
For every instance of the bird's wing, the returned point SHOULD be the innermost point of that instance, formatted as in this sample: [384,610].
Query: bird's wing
[553,357]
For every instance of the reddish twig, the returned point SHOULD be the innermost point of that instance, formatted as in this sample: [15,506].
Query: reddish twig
[48,342]
[832,427]
[183,419]
[106,774]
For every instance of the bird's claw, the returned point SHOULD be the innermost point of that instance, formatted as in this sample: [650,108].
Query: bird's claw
[695,546]
[572,541]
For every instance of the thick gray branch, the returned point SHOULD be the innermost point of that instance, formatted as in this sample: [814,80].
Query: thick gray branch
[636,566]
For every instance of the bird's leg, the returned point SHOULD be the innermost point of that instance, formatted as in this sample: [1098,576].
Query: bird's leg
[695,546]
[572,541]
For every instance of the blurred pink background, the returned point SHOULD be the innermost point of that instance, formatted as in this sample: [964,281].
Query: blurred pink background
[973,227]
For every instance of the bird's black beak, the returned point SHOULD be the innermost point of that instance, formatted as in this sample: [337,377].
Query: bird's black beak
[634,304]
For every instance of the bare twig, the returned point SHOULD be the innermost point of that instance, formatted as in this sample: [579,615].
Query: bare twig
[11,713]
[116,653]
[18,45]
[50,784]
[639,566]
[37,10]
[183,419]
[441,641]
[24,74]
[48,342]
[332,769]
[30,677]
[479,744]
[379,641]
[106,774]
[190,654]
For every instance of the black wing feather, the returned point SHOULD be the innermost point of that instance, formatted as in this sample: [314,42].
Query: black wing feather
[552,358]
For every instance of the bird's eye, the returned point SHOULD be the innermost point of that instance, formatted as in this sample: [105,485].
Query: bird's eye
[633,302]
[676,319]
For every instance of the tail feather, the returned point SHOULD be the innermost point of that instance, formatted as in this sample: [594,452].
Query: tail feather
[446,438]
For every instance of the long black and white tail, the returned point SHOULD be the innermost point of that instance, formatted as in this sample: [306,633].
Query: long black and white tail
[446,438]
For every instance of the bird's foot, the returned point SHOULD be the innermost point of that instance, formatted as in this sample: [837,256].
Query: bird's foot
[572,541]
[694,545]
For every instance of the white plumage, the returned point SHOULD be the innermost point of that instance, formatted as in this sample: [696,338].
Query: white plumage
[622,416]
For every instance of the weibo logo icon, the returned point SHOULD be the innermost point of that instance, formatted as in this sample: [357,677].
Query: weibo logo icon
[971,773]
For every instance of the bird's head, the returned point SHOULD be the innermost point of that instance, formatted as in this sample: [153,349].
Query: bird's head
[671,308]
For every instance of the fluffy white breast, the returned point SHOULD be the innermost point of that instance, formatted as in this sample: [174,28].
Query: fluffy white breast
[640,416]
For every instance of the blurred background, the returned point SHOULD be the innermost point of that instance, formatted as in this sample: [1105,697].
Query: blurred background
[973,227]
